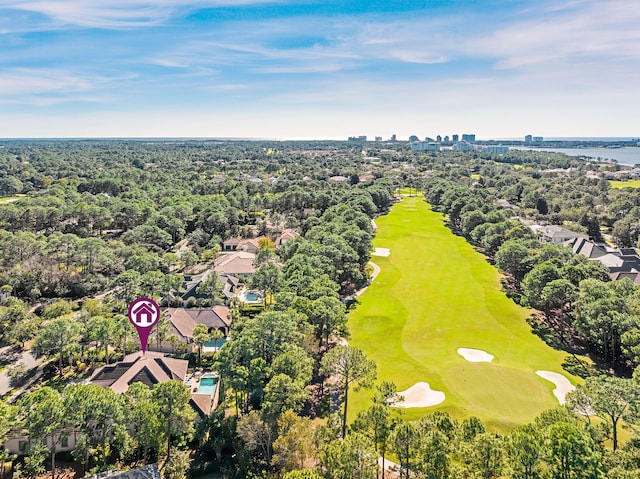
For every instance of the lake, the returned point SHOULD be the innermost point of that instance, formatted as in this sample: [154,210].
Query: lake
[624,156]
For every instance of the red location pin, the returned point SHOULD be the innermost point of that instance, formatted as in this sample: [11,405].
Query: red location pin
[144,314]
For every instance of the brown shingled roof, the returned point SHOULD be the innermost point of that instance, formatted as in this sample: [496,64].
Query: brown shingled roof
[202,403]
[185,320]
[240,262]
[181,321]
[150,369]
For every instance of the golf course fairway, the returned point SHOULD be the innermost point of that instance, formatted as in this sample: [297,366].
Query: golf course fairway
[434,295]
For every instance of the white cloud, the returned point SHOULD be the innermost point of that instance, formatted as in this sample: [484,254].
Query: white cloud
[114,14]
[581,32]
[46,86]
[21,81]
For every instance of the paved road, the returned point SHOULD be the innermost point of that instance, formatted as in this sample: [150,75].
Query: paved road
[390,467]
[374,275]
[21,357]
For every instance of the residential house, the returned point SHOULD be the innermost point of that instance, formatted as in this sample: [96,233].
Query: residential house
[231,244]
[587,248]
[183,321]
[19,444]
[150,368]
[286,235]
[239,264]
[249,245]
[555,234]
[191,283]
[229,285]
[621,263]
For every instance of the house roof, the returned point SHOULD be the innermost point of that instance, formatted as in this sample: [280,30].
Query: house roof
[193,283]
[150,369]
[587,248]
[556,232]
[249,243]
[633,276]
[216,317]
[185,320]
[232,241]
[181,321]
[240,262]
[611,260]
[229,284]
[286,235]
[227,278]
[202,403]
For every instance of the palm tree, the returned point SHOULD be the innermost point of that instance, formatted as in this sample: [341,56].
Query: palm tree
[200,336]
[215,335]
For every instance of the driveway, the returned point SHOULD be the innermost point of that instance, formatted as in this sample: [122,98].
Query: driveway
[15,357]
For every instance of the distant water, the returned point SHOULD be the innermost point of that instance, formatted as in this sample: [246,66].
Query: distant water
[624,156]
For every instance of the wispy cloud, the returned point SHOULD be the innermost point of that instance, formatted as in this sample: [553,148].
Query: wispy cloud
[433,64]
[313,44]
[116,14]
[582,31]
[45,86]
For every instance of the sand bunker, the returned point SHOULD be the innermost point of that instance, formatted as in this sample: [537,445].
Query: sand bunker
[381,252]
[475,355]
[563,386]
[420,395]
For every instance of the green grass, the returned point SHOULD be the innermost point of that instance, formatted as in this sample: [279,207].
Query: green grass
[10,199]
[435,294]
[624,184]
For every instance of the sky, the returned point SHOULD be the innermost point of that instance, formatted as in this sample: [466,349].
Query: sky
[315,69]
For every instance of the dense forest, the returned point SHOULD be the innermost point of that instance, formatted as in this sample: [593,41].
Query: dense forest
[88,226]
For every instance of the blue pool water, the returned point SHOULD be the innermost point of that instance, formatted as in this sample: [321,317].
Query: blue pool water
[207,385]
[215,344]
[251,296]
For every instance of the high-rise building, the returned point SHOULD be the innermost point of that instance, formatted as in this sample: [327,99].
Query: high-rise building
[463,146]
[425,146]
[455,138]
[495,149]
[468,137]
[446,139]
[528,139]
[378,138]
[393,138]
[438,138]
[413,138]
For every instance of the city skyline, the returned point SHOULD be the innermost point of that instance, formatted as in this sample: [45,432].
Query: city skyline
[318,69]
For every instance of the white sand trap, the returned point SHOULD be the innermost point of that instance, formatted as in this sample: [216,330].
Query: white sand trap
[420,395]
[475,355]
[381,252]
[563,386]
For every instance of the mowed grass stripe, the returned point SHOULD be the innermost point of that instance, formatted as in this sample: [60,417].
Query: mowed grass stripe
[624,184]
[435,294]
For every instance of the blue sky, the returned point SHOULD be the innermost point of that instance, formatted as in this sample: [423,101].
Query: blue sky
[318,69]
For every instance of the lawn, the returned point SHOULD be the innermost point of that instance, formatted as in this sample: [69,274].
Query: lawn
[435,294]
[10,199]
[624,184]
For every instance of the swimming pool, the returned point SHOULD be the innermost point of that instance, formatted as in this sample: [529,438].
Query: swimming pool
[207,384]
[215,344]
[252,297]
